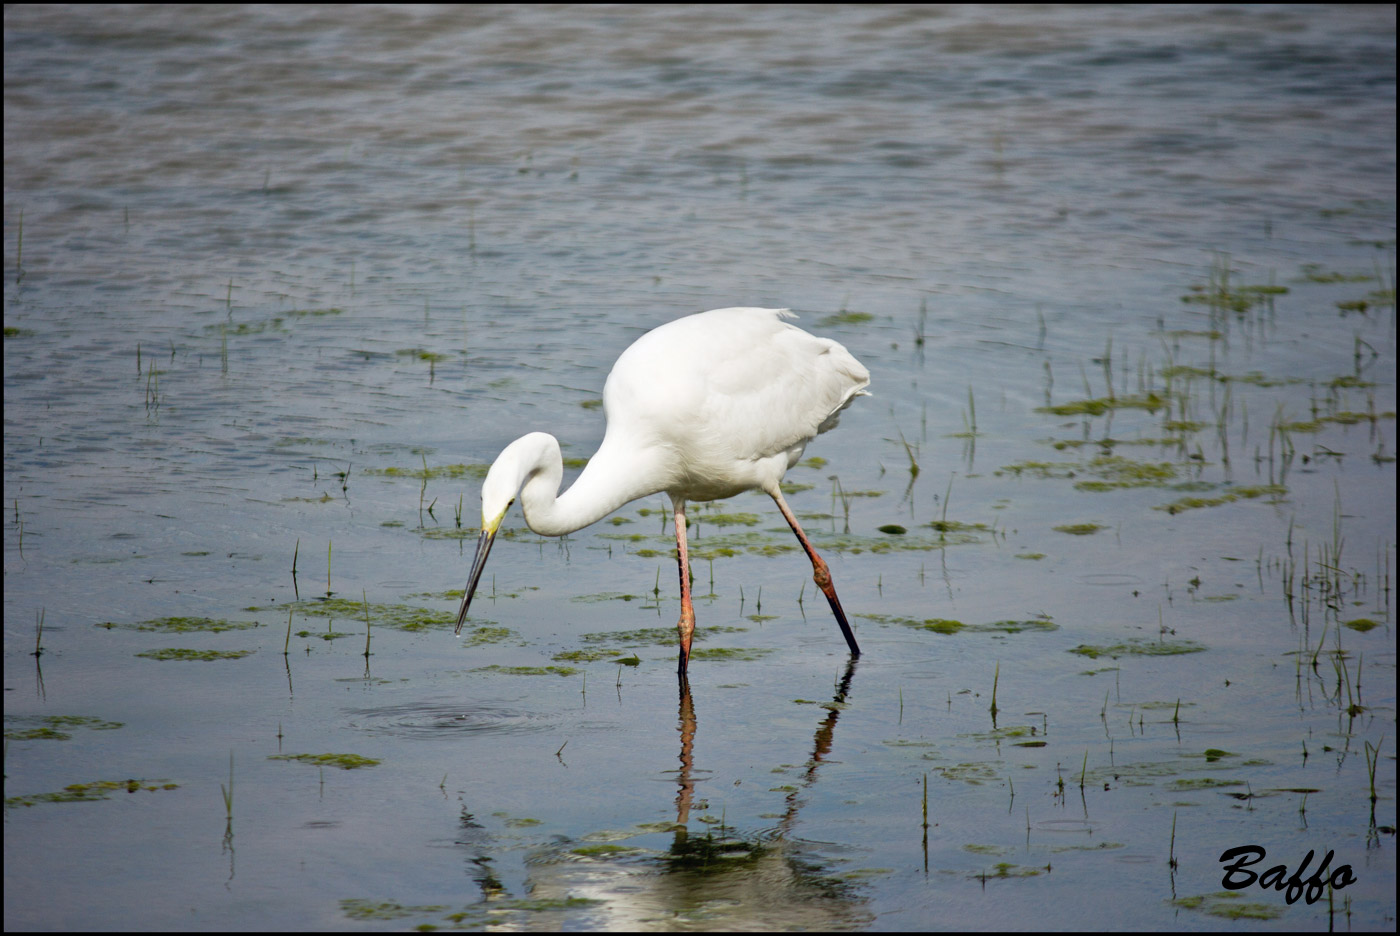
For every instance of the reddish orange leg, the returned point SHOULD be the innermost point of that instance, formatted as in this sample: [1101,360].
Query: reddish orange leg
[686,625]
[820,573]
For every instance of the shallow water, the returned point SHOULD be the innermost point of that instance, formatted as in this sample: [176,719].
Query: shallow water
[274,263]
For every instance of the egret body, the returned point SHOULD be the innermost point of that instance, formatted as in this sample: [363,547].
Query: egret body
[702,408]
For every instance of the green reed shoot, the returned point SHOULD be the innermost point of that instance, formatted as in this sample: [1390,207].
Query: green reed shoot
[925,801]
[228,791]
[839,491]
[943,518]
[364,596]
[996,675]
[909,452]
[1171,851]
[1373,756]
[1108,366]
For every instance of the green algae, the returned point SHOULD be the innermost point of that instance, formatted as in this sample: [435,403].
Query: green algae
[1244,492]
[182,625]
[483,634]
[402,617]
[735,654]
[592,656]
[846,318]
[972,774]
[656,636]
[1314,273]
[475,470]
[314,313]
[731,519]
[527,670]
[92,792]
[422,354]
[365,911]
[186,655]
[1007,870]
[1361,625]
[1115,471]
[1097,407]
[1108,443]
[52,727]
[604,850]
[343,761]
[1187,784]
[1228,905]
[1139,647]
[948,626]
[1079,529]
[608,596]
[1040,469]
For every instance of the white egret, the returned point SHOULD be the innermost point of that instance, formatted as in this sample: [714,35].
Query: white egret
[702,408]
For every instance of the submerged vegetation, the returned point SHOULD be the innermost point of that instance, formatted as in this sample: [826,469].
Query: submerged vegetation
[56,727]
[343,761]
[1139,647]
[187,655]
[92,792]
[183,625]
[1143,450]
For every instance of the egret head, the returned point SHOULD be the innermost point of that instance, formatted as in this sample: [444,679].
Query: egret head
[489,525]
[511,469]
[497,494]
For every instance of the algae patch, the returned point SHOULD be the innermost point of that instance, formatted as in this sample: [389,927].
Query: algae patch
[485,634]
[1229,497]
[182,625]
[1228,905]
[365,911]
[343,761]
[528,670]
[53,727]
[1139,647]
[1149,401]
[949,626]
[1079,529]
[186,655]
[403,617]
[747,654]
[91,792]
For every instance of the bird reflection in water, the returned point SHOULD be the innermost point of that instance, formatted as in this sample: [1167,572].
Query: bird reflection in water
[722,878]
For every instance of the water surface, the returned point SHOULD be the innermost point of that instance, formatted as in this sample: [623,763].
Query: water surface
[263,267]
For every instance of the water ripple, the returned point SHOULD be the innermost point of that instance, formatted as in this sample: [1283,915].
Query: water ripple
[437,719]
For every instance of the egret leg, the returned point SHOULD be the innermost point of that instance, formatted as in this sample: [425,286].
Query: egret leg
[820,573]
[686,625]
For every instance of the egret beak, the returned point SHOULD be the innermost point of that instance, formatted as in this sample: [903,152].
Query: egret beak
[483,549]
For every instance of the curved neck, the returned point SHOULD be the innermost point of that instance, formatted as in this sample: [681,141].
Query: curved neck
[608,481]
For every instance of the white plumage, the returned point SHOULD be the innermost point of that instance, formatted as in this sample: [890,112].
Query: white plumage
[702,408]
